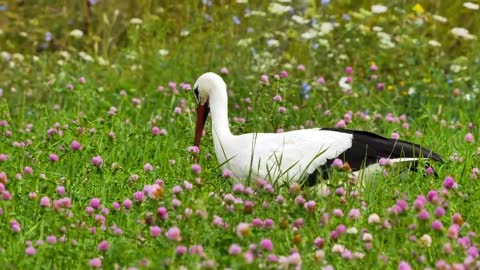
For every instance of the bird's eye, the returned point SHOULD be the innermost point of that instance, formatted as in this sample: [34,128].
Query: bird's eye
[197,97]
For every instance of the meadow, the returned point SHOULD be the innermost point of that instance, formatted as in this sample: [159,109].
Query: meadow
[97,114]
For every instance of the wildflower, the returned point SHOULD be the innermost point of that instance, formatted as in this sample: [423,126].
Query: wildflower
[97,161]
[277,98]
[139,196]
[266,244]
[310,206]
[418,8]
[340,124]
[234,249]
[374,219]
[243,230]
[471,6]
[437,225]
[174,234]
[354,214]
[282,109]
[127,204]
[337,163]
[30,251]
[462,32]
[226,173]
[75,145]
[264,79]
[268,223]
[103,246]
[148,167]
[181,250]
[378,9]
[469,137]
[52,239]
[96,263]
[196,169]
[453,231]
[404,266]
[76,33]
[95,203]
[449,182]
[136,21]
[155,231]
[53,157]
[283,74]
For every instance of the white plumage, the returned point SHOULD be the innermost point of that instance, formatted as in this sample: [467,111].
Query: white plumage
[289,156]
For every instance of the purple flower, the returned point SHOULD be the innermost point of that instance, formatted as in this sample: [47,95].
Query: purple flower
[264,79]
[449,182]
[103,246]
[266,244]
[437,225]
[155,231]
[337,163]
[234,249]
[197,169]
[53,157]
[30,251]
[97,161]
[404,266]
[174,234]
[76,146]
[96,262]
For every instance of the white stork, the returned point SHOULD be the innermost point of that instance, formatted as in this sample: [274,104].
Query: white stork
[295,155]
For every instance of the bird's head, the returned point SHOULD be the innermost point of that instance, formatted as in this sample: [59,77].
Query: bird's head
[204,87]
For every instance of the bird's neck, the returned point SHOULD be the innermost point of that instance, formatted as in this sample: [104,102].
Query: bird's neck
[219,111]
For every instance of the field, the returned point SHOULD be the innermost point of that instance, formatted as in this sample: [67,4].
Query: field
[97,115]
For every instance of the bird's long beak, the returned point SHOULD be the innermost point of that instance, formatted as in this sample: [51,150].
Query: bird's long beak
[202,113]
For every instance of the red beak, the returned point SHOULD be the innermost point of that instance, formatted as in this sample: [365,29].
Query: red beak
[202,113]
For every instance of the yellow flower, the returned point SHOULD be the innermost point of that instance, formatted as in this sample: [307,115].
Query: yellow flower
[390,87]
[418,8]
[427,80]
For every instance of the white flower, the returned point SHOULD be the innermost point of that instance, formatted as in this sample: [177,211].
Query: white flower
[439,18]
[273,43]
[64,54]
[352,230]
[184,33]
[18,57]
[434,43]
[256,13]
[77,33]
[411,91]
[471,5]
[337,248]
[163,52]
[379,9]
[277,8]
[373,219]
[377,29]
[462,32]
[300,20]
[367,237]
[309,34]
[136,21]
[326,28]
[242,1]
[343,83]
[85,56]
[455,68]
[426,240]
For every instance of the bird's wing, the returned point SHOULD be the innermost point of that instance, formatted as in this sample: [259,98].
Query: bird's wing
[299,153]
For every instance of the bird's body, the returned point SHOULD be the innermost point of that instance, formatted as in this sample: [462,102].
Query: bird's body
[295,155]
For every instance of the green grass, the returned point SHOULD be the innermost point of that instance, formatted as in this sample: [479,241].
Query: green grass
[419,80]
